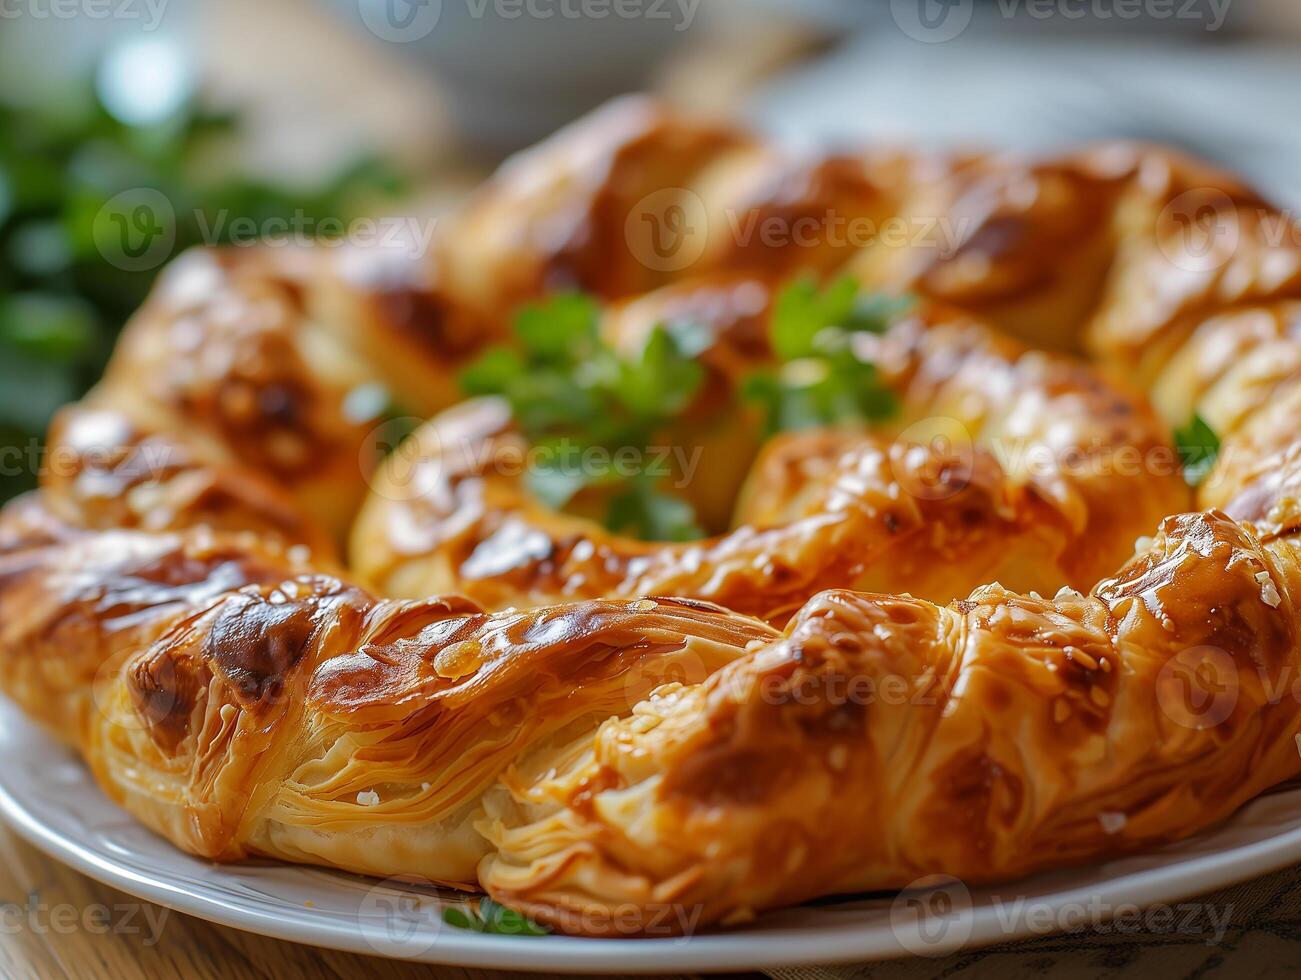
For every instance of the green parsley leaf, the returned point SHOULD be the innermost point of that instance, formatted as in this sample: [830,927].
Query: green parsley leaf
[1198,446]
[503,921]
[559,327]
[822,381]
[462,919]
[47,326]
[692,338]
[555,486]
[571,392]
[803,310]
[493,372]
[874,312]
[493,917]
[663,381]
[553,402]
[651,515]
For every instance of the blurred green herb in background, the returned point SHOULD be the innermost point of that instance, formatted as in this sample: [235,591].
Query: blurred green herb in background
[71,178]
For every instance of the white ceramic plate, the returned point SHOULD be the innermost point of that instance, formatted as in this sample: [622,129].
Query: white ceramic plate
[48,797]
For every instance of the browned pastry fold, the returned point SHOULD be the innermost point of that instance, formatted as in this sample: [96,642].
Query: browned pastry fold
[990,738]
[169,600]
[238,710]
[74,605]
[253,359]
[303,719]
[1004,464]
[103,471]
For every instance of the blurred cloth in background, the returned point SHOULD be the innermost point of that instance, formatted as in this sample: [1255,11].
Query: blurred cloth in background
[1225,90]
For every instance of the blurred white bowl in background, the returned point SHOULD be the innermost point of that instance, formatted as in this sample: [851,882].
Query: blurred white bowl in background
[515,70]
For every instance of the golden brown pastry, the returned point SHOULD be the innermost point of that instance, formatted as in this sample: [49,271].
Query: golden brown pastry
[102,471]
[634,196]
[74,605]
[287,362]
[1003,464]
[241,706]
[304,720]
[591,754]
[996,736]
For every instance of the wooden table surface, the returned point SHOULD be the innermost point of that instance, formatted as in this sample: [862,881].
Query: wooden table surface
[57,923]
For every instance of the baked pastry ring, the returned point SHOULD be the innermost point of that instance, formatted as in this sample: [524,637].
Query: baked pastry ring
[1004,464]
[172,600]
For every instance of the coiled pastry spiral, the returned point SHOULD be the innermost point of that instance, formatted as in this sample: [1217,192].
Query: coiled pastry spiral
[834,698]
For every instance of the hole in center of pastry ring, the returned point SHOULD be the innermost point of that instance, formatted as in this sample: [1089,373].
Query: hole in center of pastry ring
[784,439]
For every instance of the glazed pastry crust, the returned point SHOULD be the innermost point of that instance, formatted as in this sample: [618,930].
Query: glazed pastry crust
[495,696]
[239,704]
[996,736]
[971,482]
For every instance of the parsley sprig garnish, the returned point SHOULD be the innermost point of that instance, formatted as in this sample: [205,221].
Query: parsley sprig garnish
[821,380]
[570,391]
[493,917]
[1198,448]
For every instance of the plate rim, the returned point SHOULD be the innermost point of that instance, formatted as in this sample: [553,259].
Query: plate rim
[753,948]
